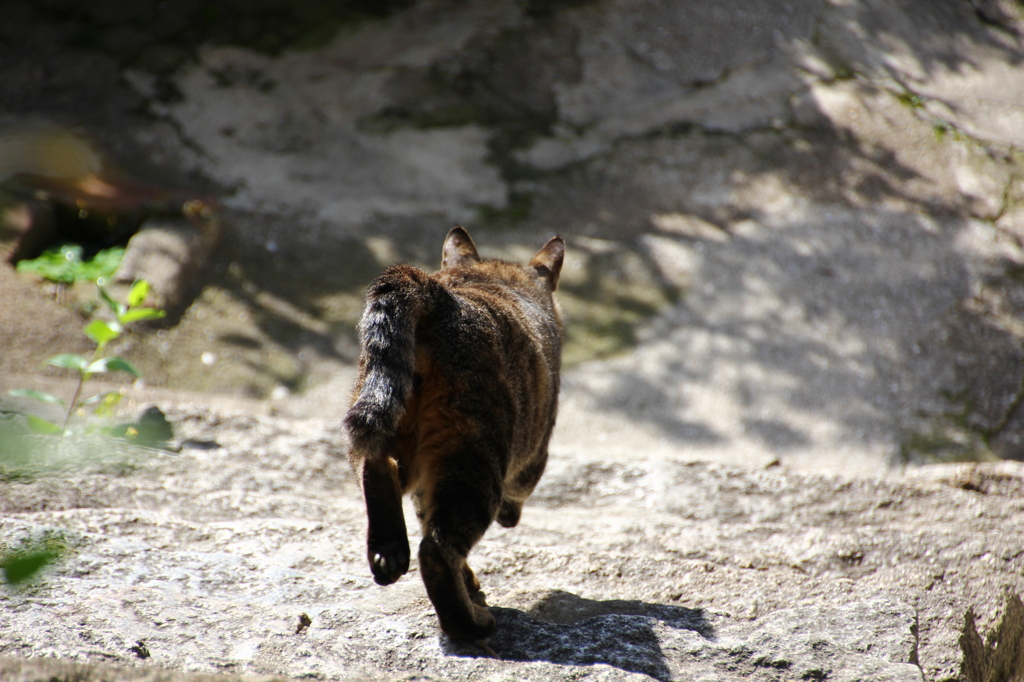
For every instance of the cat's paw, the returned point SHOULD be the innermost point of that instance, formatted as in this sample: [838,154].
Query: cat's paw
[509,513]
[389,561]
[476,624]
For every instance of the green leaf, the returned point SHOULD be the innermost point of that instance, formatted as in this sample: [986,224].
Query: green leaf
[115,307]
[103,265]
[105,395]
[65,264]
[115,364]
[36,395]
[137,314]
[40,425]
[57,265]
[19,569]
[138,293]
[22,563]
[107,400]
[97,366]
[69,361]
[102,332]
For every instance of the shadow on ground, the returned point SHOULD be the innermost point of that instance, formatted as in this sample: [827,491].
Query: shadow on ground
[567,629]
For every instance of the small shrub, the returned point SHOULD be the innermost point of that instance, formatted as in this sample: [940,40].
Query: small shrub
[101,332]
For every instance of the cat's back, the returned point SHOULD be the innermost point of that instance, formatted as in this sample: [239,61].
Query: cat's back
[495,355]
[498,309]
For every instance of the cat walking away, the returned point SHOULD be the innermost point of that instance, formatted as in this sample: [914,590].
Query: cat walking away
[454,404]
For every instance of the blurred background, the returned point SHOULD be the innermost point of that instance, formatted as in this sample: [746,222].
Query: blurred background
[794,226]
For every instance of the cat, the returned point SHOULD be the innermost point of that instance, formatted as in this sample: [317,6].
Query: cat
[454,403]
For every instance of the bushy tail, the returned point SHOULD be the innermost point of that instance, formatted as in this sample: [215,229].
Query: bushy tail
[395,303]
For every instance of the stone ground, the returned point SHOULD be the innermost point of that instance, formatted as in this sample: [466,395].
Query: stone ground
[657,567]
[793,289]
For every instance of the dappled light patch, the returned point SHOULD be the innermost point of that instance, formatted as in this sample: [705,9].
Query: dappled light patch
[609,288]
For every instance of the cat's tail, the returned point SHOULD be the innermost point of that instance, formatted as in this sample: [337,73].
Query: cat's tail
[396,302]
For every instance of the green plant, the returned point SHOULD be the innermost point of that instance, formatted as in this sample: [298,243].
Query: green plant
[101,332]
[66,265]
[22,562]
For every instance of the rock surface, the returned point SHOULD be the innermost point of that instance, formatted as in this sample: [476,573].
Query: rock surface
[654,568]
[795,237]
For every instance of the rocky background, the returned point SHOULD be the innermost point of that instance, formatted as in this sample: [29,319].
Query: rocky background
[793,292]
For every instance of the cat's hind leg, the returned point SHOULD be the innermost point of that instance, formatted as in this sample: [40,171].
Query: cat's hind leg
[461,501]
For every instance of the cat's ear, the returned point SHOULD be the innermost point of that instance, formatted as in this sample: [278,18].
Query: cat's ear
[548,261]
[459,249]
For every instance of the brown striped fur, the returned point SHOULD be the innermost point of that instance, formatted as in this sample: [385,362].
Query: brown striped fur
[455,403]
